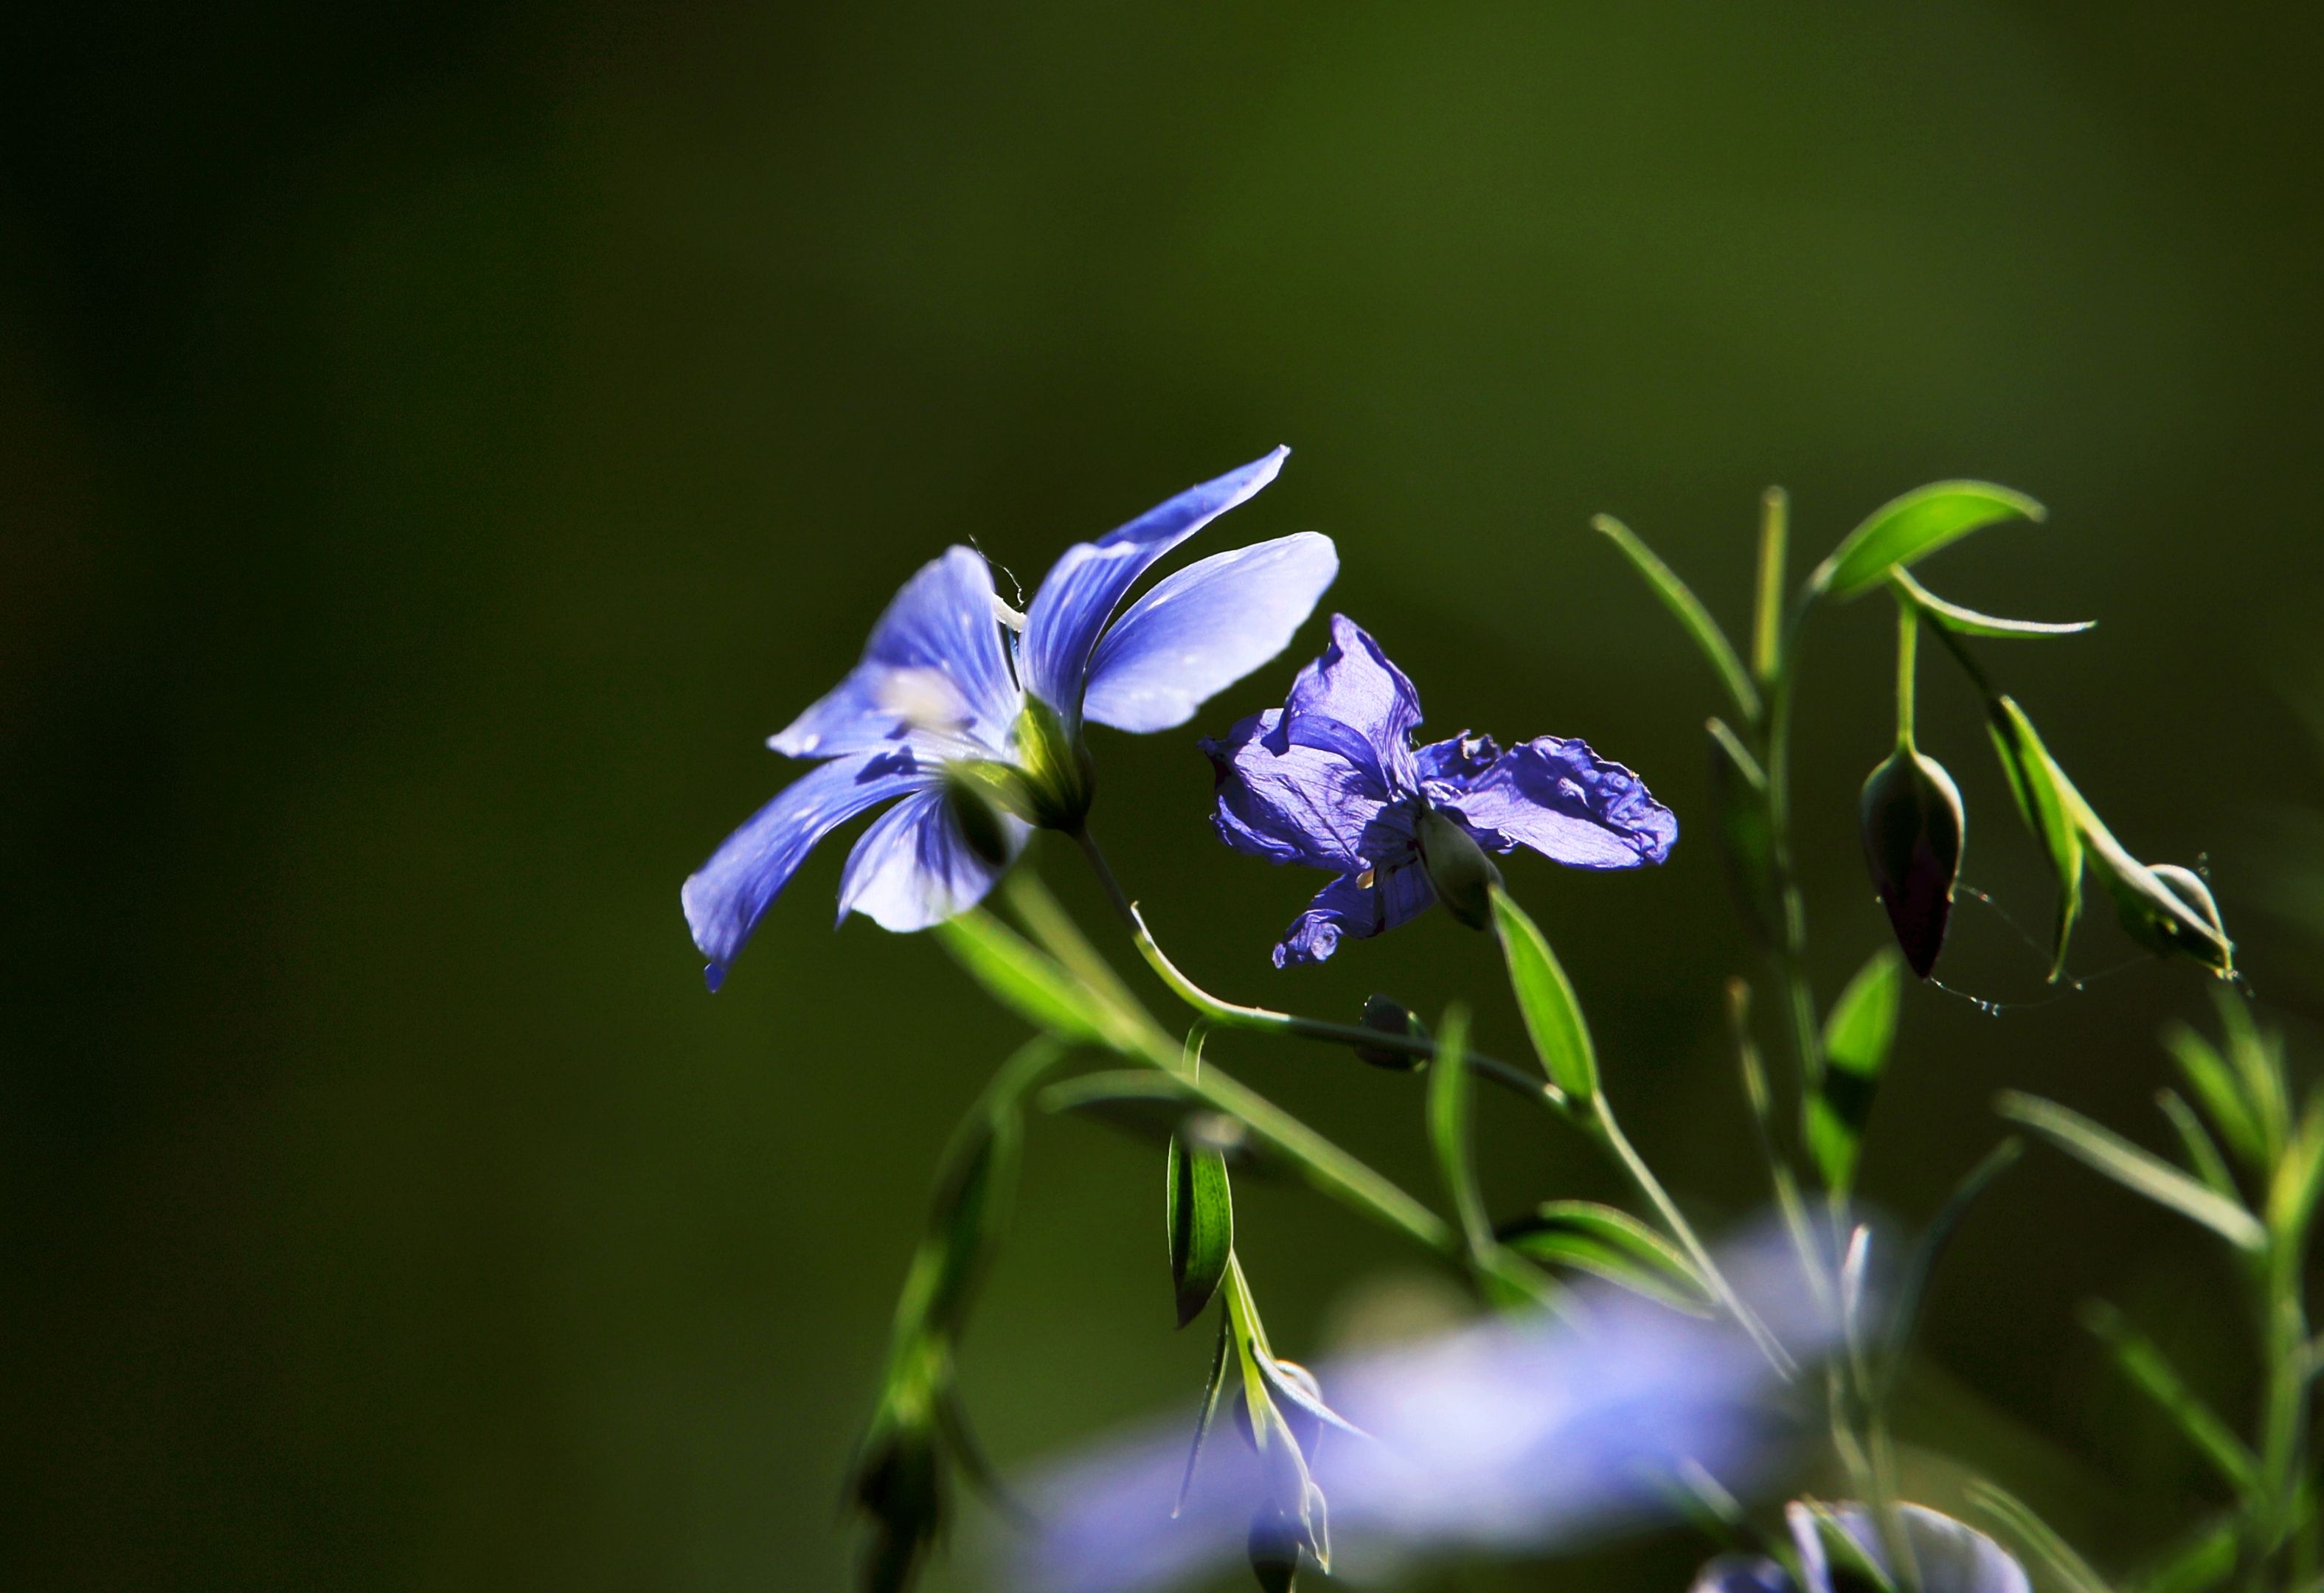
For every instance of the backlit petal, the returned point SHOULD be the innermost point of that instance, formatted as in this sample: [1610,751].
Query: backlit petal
[914,867]
[1084,587]
[935,660]
[1204,628]
[1568,804]
[727,896]
[1355,906]
[1298,805]
[1353,701]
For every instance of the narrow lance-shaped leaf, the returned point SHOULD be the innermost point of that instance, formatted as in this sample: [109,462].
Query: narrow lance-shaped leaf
[2140,1170]
[1739,794]
[1213,1386]
[1692,616]
[1552,1016]
[1024,980]
[2201,1560]
[1613,1244]
[1199,1212]
[1966,621]
[2150,1371]
[2040,791]
[1857,1040]
[1920,1261]
[2202,1151]
[1448,1129]
[1907,529]
[2220,1093]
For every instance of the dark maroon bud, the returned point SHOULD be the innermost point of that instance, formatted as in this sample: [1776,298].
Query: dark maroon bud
[1911,821]
[1391,1017]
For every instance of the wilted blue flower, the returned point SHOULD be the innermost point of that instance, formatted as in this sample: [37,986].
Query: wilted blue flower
[1332,780]
[971,713]
[1950,1556]
[1516,1433]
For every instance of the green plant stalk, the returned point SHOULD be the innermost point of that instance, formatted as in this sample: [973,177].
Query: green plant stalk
[1143,1041]
[2284,1421]
[1517,1080]
[1908,635]
[1597,1119]
[1599,1124]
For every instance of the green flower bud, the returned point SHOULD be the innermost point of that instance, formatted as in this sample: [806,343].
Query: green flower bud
[1391,1017]
[1463,876]
[2168,909]
[1910,822]
[1058,777]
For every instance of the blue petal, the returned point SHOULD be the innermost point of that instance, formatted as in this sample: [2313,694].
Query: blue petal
[1952,1556]
[935,660]
[1448,767]
[914,867]
[1742,1573]
[727,896]
[1204,628]
[1568,804]
[1358,906]
[1298,805]
[1353,701]
[1084,587]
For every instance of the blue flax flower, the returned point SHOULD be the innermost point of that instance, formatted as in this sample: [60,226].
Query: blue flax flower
[971,713]
[1332,780]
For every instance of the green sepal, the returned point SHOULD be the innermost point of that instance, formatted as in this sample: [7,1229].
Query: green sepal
[2141,1171]
[1199,1214]
[1907,529]
[1857,1040]
[1606,1243]
[1545,998]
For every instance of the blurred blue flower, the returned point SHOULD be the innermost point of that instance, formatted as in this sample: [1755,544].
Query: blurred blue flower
[1516,1433]
[1948,1556]
[1332,780]
[971,713]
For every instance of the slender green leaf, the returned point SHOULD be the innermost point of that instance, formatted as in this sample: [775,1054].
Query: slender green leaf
[1448,1129]
[1208,1410]
[2140,1170]
[1963,622]
[1739,795]
[2203,1560]
[1024,980]
[1907,529]
[2150,1371]
[1857,1040]
[2258,1061]
[2202,1151]
[2221,1093]
[1691,615]
[2041,790]
[1920,1261]
[2037,1537]
[1199,1215]
[1613,1244]
[1552,1016]
[1853,1567]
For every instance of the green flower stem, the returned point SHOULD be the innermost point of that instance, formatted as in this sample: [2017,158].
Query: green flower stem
[1143,1040]
[1601,1126]
[1908,635]
[1516,1080]
[2283,1424]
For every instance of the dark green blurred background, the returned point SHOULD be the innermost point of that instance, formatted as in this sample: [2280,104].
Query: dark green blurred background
[438,442]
